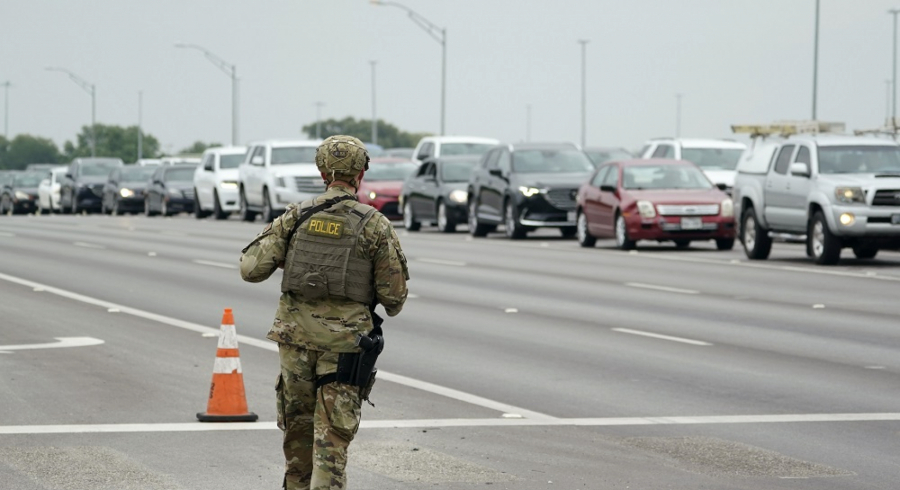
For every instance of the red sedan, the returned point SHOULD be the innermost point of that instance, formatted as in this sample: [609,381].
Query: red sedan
[381,185]
[653,199]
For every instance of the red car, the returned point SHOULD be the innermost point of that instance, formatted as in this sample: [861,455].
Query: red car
[381,185]
[653,199]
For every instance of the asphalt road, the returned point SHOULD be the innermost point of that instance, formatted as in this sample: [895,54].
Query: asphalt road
[520,365]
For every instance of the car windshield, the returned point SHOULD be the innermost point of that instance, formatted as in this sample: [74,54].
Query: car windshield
[379,172]
[859,159]
[136,174]
[179,175]
[664,177]
[712,158]
[231,161]
[95,170]
[567,161]
[458,170]
[599,157]
[450,149]
[31,179]
[293,154]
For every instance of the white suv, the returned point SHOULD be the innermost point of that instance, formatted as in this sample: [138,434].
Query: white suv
[717,158]
[216,182]
[437,146]
[275,174]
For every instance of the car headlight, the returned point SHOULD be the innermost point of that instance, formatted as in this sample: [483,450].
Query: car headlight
[372,195]
[529,191]
[459,196]
[230,184]
[646,209]
[126,192]
[727,208]
[174,192]
[21,195]
[849,195]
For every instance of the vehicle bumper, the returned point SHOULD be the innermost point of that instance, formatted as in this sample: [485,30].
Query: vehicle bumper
[25,205]
[875,221]
[537,212]
[177,204]
[670,228]
[457,212]
[89,199]
[135,203]
[229,199]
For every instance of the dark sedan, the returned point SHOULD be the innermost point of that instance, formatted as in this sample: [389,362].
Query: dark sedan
[170,190]
[437,193]
[18,193]
[526,186]
[82,187]
[124,190]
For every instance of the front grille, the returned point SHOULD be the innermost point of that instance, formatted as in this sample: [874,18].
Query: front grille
[687,210]
[188,193]
[312,185]
[886,197]
[562,198]
[97,190]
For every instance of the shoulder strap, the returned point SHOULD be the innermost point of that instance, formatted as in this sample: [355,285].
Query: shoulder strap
[308,212]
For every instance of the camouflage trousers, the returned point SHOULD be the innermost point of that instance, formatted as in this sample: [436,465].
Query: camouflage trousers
[318,425]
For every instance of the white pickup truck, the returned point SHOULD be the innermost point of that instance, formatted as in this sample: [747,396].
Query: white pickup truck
[839,191]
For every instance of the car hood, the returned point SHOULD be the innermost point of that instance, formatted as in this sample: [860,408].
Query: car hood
[454,186]
[384,187]
[295,170]
[99,179]
[859,180]
[138,184]
[551,180]
[181,186]
[721,176]
[678,196]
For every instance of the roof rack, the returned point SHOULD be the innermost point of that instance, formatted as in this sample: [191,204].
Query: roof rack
[788,128]
[890,128]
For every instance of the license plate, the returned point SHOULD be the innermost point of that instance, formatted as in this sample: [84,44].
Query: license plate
[895,219]
[691,223]
[570,216]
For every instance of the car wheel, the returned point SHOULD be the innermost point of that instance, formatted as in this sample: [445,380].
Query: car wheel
[865,250]
[756,240]
[409,219]
[198,211]
[147,211]
[246,214]
[444,221]
[585,239]
[622,240]
[217,207]
[267,213]
[724,243]
[75,209]
[514,229]
[568,231]
[476,228]
[682,243]
[164,207]
[103,208]
[824,245]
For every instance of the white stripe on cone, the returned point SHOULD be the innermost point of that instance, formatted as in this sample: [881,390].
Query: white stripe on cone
[227,365]
[228,339]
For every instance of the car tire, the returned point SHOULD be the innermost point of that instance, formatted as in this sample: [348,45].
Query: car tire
[148,211]
[217,207]
[268,213]
[409,219]
[198,211]
[568,231]
[824,245]
[103,209]
[117,208]
[164,208]
[246,214]
[582,233]
[514,229]
[63,209]
[444,221]
[681,243]
[476,228]
[724,243]
[756,240]
[865,250]
[74,207]
[622,240]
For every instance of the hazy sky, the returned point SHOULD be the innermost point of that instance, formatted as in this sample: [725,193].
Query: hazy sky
[734,61]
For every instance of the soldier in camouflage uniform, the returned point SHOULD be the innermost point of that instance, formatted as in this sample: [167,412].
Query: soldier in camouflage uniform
[313,328]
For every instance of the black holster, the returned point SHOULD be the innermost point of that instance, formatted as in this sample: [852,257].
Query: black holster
[357,368]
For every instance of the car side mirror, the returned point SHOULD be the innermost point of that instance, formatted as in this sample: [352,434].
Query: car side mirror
[208,167]
[721,186]
[69,176]
[257,160]
[608,188]
[496,172]
[800,169]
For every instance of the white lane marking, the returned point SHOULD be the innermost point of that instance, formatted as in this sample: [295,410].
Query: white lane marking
[660,288]
[172,233]
[215,264]
[442,262]
[511,310]
[7,234]
[88,245]
[818,306]
[412,296]
[63,342]
[660,336]
[434,423]
[273,347]
[151,254]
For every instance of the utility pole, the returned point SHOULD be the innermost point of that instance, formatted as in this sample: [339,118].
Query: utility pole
[678,116]
[894,12]
[528,123]
[815,65]
[319,120]
[887,102]
[583,43]
[374,117]
[140,153]
[230,70]
[6,85]
[91,89]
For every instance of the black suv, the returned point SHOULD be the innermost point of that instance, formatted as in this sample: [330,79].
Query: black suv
[526,186]
[170,190]
[82,187]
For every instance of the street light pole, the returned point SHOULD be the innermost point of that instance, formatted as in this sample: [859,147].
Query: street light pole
[439,34]
[894,12]
[583,43]
[92,90]
[527,123]
[230,70]
[678,116]
[140,152]
[374,117]
[815,65]
[319,120]
[6,85]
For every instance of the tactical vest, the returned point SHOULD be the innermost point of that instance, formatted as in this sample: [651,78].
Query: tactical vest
[321,259]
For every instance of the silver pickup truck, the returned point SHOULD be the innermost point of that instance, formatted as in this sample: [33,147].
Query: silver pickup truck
[839,191]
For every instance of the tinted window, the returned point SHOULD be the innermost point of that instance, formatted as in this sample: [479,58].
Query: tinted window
[612,177]
[803,156]
[664,177]
[491,160]
[95,170]
[451,149]
[859,159]
[423,169]
[180,175]
[664,151]
[30,179]
[551,161]
[457,171]
[425,151]
[784,159]
[757,160]
[231,161]
[712,158]
[136,174]
[601,174]
[504,162]
[293,154]
[389,171]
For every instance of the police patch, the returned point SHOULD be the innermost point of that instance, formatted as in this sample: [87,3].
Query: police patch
[326,227]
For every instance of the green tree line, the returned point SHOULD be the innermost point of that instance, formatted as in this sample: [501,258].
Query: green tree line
[389,136]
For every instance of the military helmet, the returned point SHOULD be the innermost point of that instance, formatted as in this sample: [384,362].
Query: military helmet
[342,155]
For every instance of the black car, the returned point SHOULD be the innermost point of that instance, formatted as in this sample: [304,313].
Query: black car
[527,186]
[600,155]
[170,190]
[124,189]
[437,193]
[82,187]
[18,192]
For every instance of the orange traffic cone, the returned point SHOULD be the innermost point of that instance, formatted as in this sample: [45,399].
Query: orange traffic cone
[227,401]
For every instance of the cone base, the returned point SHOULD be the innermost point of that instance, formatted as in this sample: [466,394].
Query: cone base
[247,417]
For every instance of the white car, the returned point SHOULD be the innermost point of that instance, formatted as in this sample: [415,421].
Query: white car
[445,146]
[717,158]
[216,182]
[179,160]
[276,173]
[48,190]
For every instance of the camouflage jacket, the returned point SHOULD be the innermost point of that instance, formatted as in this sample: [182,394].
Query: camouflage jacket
[330,324]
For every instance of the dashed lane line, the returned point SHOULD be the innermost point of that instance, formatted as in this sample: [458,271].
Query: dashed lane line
[210,263]
[442,423]
[442,262]
[661,288]
[88,245]
[7,234]
[661,336]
